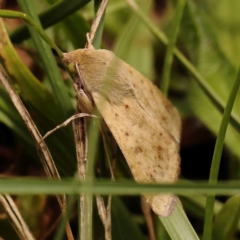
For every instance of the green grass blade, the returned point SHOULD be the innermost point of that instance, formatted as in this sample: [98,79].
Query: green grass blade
[30,88]
[217,157]
[223,229]
[31,22]
[54,14]
[41,103]
[94,134]
[178,225]
[76,35]
[131,188]
[134,35]
[170,48]
[60,232]
[10,117]
[98,36]
[49,62]
[210,92]
[123,228]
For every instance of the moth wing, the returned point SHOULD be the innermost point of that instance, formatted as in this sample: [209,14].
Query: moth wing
[155,103]
[151,152]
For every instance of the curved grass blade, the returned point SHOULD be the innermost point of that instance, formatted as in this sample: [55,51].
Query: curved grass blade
[170,48]
[42,103]
[207,234]
[31,22]
[223,229]
[54,14]
[10,117]
[126,46]
[178,225]
[123,226]
[49,63]
[31,89]
[208,89]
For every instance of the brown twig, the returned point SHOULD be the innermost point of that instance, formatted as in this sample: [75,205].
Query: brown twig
[95,24]
[148,217]
[105,212]
[42,149]
[81,142]
[15,217]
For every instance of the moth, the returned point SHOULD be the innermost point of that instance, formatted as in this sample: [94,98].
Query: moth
[142,120]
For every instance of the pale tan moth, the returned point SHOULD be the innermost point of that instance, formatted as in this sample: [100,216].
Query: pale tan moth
[142,120]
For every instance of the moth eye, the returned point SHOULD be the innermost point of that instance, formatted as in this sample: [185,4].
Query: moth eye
[71,67]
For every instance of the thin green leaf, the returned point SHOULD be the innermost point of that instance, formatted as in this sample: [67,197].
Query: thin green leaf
[60,232]
[199,37]
[208,89]
[170,48]
[131,188]
[54,14]
[10,117]
[31,89]
[98,35]
[42,104]
[135,35]
[223,229]
[123,228]
[49,62]
[74,34]
[178,225]
[217,157]
[31,22]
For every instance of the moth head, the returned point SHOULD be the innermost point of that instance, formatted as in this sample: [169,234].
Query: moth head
[69,60]
[71,67]
[80,57]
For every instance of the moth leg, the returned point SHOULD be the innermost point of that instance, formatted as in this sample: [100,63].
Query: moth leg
[85,101]
[65,123]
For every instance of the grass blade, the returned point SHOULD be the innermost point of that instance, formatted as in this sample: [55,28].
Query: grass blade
[178,225]
[49,63]
[210,92]
[207,234]
[170,48]
[53,15]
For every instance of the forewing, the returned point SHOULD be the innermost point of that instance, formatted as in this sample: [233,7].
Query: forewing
[151,152]
[155,103]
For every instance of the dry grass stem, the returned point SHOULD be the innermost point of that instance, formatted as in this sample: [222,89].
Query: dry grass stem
[42,149]
[15,218]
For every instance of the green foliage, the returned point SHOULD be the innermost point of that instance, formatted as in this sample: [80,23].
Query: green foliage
[208,36]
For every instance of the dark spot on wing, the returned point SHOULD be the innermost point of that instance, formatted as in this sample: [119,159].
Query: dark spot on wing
[126,106]
[151,176]
[159,166]
[159,148]
[138,149]
[126,133]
